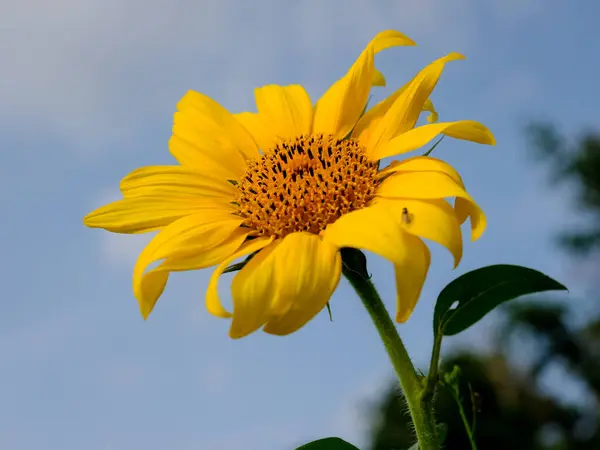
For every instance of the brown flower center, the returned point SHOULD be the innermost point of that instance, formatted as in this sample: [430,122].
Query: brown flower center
[305,184]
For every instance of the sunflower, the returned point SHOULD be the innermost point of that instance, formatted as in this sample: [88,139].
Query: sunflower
[290,186]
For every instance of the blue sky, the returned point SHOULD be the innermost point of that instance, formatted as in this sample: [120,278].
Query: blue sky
[88,90]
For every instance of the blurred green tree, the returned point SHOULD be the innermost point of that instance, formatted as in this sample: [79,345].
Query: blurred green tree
[503,400]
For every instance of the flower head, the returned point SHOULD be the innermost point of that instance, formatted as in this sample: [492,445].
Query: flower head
[290,186]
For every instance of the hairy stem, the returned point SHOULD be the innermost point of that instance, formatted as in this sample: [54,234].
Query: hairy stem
[421,412]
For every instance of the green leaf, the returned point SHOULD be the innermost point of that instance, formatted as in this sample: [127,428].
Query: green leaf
[478,292]
[331,443]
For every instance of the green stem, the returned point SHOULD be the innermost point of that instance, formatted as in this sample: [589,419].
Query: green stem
[432,375]
[473,415]
[465,420]
[421,412]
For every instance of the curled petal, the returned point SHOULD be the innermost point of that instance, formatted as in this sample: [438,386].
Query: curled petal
[432,185]
[467,130]
[410,277]
[428,219]
[340,107]
[189,239]
[369,120]
[356,230]
[153,282]
[401,112]
[378,79]
[433,116]
[421,164]
[213,303]
[462,208]
[407,252]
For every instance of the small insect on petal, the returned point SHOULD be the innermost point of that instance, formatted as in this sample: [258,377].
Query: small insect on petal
[407,217]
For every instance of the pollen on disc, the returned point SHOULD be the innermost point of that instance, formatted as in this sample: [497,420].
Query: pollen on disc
[305,184]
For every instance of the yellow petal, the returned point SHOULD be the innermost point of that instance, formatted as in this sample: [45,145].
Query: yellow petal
[213,303]
[404,112]
[150,288]
[467,130]
[429,219]
[378,79]
[368,122]
[408,253]
[357,230]
[144,214]
[390,38]
[432,185]
[462,208]
[175,181]
[340,107]
[204,122]
[421,164]
[253,290]
[433,116]
[259,130]
[153,282]
[204,156]
[209,257]
[307,271]
[285,110]
[187,237]
[410,277]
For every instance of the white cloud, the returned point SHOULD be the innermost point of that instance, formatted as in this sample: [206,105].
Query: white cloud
[89,71]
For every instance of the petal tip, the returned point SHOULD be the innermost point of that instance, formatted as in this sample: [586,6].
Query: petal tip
[457,56]
[275,332]
[236,334]
[402,316]
[476,235]
[406,41]
[145,313]
[87,220]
